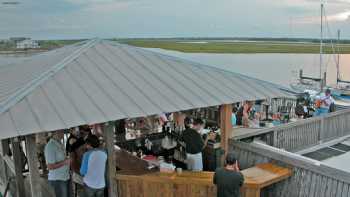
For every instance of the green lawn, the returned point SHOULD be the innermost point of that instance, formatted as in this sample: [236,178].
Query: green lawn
[52,44]
[235,47]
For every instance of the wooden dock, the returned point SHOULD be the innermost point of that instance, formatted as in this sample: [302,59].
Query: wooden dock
[310,178]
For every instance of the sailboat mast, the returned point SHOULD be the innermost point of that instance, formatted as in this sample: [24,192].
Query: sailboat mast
[338,58]
[321,49]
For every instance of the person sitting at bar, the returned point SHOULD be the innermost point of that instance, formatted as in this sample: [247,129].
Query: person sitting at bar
[243,114]
[58,165]
[194,144]
[228,179]
[93,168]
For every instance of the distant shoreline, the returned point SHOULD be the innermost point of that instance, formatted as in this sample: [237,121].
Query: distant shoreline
[208,45]
[14,52]
[237,46]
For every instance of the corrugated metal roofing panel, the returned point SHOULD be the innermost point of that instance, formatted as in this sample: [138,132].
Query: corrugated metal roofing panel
[92,90]
[129,88]
[141,71]
[7,126]
[100,81]
[62,104]
[201,84]
[44,112]
[177,85]
[23,118]
[111,87]
[127,66]
[164,84]
[19,74]
[85,105]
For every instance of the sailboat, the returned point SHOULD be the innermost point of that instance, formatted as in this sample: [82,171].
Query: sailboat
[315,86]
[311,84]
[342,88]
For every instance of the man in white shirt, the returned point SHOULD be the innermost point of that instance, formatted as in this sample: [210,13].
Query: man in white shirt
[58,165]
[326,102]
[93,168]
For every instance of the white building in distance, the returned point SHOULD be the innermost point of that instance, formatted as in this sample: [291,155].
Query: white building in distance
[27,44]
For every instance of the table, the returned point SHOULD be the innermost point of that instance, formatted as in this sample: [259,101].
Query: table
[262,175]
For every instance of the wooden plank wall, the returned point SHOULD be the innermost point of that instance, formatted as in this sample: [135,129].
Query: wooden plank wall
[296,136]
[308,179]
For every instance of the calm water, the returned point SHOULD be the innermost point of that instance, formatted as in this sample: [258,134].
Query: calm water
[278,68]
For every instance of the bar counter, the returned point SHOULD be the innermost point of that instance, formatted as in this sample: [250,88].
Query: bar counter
[194,184]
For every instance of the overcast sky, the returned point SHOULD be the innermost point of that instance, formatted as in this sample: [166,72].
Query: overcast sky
[62,19]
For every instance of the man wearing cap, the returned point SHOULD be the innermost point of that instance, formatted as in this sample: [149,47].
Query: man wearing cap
[228,179]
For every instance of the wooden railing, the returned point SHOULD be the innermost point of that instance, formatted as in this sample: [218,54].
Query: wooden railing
[7,172]
[306,133]
[8,175]
[310,178]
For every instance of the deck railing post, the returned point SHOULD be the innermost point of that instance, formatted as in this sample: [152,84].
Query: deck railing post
[17,159]
[5,150]
[108,131]
[34,175]
[275,139]
[322,134]
[225,127]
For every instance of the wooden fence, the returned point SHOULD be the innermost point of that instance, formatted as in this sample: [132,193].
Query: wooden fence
[310,178]
[306,133]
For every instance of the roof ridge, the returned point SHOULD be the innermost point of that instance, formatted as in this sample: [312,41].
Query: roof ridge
[28,88]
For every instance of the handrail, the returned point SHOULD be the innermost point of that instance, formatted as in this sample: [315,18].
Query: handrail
[292,160]
[293,124]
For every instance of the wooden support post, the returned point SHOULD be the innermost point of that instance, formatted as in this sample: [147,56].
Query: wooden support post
[5,147]
[33,162]
[108,131]
[5,150]
[17,159]
[225,127]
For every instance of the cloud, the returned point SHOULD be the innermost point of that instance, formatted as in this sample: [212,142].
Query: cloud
[337,17]
[343,16]
[101,5]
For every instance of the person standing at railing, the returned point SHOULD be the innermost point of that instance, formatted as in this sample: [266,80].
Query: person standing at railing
[324,103]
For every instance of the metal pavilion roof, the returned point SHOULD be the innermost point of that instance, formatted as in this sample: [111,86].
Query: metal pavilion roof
[98,81]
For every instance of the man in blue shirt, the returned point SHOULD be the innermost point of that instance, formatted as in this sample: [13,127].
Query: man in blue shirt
[93,168]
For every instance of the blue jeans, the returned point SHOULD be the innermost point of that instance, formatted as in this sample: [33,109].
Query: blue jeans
[61,188]
[90,192]
[321,111]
